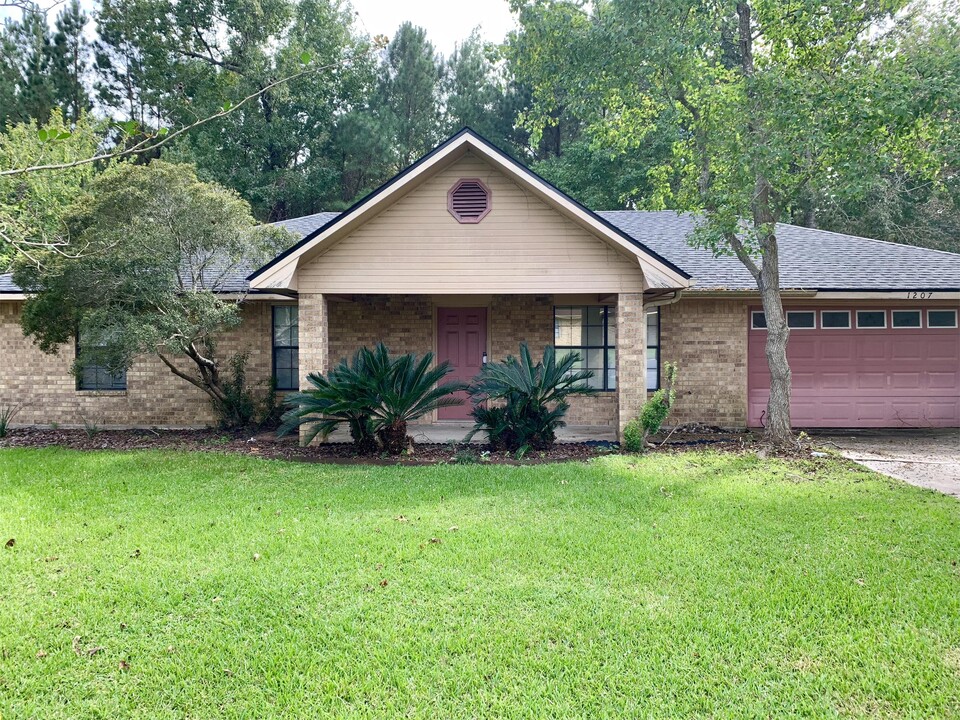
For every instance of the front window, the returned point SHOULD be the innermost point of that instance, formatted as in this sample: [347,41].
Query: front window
[591,331]
[653,349]
[94,375]
[286,347]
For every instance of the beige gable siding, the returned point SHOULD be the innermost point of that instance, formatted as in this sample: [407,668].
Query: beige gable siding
[522,246]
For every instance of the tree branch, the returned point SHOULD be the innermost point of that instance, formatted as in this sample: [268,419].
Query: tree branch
[146,145]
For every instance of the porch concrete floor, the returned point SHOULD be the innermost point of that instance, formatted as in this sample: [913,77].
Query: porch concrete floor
[446,432]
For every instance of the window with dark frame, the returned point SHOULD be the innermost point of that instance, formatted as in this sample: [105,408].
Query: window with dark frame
[653,349]
[591,331]
[96,376]
[286,347]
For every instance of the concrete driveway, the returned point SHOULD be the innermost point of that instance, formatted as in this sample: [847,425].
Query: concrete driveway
[928,458]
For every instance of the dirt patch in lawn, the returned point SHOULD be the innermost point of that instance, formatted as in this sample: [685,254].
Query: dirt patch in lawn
[268,445]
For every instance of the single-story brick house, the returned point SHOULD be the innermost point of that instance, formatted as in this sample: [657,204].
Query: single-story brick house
[467,254]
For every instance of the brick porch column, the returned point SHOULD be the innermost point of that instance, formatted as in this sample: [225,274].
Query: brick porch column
[631,357]
[314,344]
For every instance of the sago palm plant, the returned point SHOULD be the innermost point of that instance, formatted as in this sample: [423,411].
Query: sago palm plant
[401,390]
[529,400]
[335,400]
[375,395]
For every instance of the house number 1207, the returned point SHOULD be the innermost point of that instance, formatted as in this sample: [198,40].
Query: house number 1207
[914,295]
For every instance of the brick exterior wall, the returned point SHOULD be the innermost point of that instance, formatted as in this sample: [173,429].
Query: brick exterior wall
[313,321]
[523,318]
[708,340]
[631,357]
[707,337]
[154,397]
[404,323]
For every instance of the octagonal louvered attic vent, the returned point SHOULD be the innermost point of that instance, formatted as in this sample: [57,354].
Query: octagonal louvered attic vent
[469,200]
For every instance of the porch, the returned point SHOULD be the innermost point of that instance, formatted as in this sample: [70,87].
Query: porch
[608,330]
[454,432]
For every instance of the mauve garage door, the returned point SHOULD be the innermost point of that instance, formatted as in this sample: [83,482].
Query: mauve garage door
[864,376]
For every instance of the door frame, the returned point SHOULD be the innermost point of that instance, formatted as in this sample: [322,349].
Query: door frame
[464,302]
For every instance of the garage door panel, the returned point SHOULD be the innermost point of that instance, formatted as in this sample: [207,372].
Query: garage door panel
[869,380]
[870,411]
[907,349]
[836,348]
[802,349]
[943,348]
[943,380]
[870,348]
[836,380]
[890,377]
[905,380]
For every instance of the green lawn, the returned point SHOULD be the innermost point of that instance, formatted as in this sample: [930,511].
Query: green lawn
[668,586]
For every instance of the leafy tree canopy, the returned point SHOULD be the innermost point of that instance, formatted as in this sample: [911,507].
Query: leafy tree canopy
[160,246]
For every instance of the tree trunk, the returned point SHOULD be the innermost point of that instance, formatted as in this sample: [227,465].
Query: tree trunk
[394,437]
[777,426]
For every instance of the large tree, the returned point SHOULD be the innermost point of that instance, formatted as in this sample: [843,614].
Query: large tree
[169,63]
[408,94]
[32,204]
[42,70]
[774,101]
[160,249]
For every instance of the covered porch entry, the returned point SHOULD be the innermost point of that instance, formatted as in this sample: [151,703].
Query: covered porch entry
[608,330]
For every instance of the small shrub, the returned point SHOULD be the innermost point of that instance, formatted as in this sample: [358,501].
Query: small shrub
[653,414]
[7,414]
[238,407]
[466,456]
[271,409]
[531,399]
[633,436]
[90,427]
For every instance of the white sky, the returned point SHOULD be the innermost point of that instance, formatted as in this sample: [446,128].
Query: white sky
[447,22]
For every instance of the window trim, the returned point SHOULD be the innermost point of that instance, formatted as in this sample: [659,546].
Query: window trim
[849,325]
[800,312]
[753,324]
[80,388]
[893,324]
[656,311]
[956,316]
[886,321]
[274,347]
[606,347]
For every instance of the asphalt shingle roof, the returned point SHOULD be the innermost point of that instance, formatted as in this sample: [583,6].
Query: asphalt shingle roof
[810,259]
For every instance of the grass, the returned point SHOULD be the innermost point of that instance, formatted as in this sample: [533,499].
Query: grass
[172,585]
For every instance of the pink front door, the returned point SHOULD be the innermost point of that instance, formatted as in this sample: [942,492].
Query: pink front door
[856,376]
[461,341]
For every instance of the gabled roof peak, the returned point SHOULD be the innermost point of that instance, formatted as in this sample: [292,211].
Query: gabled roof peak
[279,272]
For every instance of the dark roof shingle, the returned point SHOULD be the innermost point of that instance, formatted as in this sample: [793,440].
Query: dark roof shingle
[810,259]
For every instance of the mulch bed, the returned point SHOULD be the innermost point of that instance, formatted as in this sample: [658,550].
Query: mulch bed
[267,445]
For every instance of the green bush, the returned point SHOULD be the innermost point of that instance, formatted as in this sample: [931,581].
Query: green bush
[375,395]
[527,401]
[633,436]
[653,414]
[7,413]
